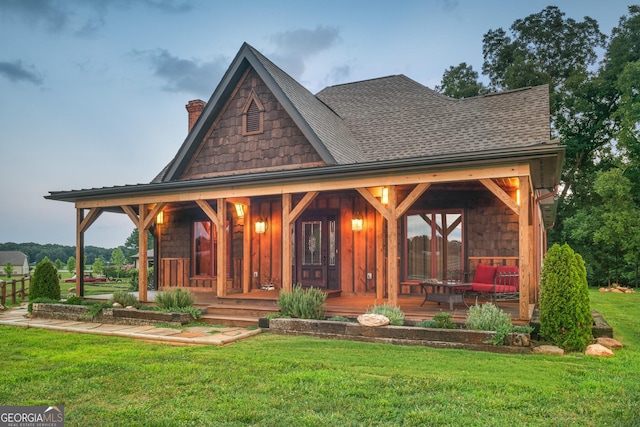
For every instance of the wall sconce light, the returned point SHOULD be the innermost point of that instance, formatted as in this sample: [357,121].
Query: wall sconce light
[239,210]
[385,196]
[518,197]
[356,222]
[160,218]
[260,226]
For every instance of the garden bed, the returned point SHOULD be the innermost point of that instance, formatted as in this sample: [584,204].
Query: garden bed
[404,335]
[117,316]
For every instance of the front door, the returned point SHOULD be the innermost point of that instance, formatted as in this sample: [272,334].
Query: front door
[316,243]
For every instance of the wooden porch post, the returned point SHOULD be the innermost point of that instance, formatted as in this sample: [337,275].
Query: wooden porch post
[246,252]
[82,224]
[79,253]
[143,244]
[392,247]
[524,231]
[287,284]
[380,270]
[221,288]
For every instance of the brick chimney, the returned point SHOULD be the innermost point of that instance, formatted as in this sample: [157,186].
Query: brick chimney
[194,108]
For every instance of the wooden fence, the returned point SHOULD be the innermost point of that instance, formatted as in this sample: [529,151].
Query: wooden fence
[14,289]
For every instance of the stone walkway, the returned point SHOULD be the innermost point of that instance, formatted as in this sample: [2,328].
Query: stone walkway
[192,335]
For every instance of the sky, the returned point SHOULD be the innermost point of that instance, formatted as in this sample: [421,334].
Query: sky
[93,92]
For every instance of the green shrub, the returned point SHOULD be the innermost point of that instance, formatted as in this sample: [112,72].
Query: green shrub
[194,311]
[428,323]
[94,309]
[175,298]
[73,300]
[125,299]
[394,314]
[339,319]
[565,314]
[443,321]
[488,317]
[302,303]
[44,283]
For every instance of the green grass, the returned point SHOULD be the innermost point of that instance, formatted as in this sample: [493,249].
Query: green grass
[273,380]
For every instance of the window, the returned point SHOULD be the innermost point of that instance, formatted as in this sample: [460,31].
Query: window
[433,244]
[252,115]
[205,248]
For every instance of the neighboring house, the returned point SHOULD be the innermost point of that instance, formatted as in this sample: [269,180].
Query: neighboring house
[364,188]
[18,260]
[136,259]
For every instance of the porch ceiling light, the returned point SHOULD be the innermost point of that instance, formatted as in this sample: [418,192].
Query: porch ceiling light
[356,222]
[260,226]
[160,218]
[239,210]
[384,199]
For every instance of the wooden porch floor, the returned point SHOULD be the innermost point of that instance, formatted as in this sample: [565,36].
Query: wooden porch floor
[352,306]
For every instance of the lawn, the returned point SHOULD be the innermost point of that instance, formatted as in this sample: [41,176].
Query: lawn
[273,380]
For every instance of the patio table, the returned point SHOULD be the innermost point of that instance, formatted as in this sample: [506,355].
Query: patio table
[444,291]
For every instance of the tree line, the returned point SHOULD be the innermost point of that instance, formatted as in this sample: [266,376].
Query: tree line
[595,113]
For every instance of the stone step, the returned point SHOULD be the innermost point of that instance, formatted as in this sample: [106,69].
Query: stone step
[238,321]
[240,310]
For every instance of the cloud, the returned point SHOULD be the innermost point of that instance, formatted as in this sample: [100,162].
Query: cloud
[293,47]
[184,75]
[16,72]
[81,17]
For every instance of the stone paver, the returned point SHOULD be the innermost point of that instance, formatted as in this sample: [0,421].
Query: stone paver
[195,335]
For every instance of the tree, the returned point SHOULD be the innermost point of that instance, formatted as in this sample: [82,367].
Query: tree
[71,264]
[58,264]
[565,314]
[461,82]
[45,283]
[8,270]
[98,266]
[132,243]
[117,259]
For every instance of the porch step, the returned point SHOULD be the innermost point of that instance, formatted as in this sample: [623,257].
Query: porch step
[254,311]
[237,321]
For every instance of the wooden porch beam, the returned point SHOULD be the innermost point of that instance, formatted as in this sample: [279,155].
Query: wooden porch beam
[392,247]
[151,215]
[131,213]
[79,253]
[502,195]
[373,201]
[246,252]
[211,213]
[411,199]
[525,250]
[91,217]
[260,189]
[302,205]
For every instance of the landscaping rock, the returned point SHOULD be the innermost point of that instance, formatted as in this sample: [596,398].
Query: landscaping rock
[548,349]
[599,351]
[116,304]
[130,307]
[518,339]
[610,343]
[72,290]
[616,291]
[373,320]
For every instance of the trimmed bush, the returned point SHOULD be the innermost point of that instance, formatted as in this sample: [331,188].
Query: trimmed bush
[125,299]
[427,323]
[488,317]
[302,303]
[394,314]
[443,321]
[45,283]
[565,314]
[175,298]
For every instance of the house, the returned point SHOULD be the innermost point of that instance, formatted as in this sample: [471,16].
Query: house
[136,259]
[364,188]
[19,261]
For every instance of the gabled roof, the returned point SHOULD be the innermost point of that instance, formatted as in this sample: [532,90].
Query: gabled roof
[395,117]
[326,132]
[16,258]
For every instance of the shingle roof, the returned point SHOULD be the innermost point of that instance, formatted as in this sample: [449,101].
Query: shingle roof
[16,258]
[395,117]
